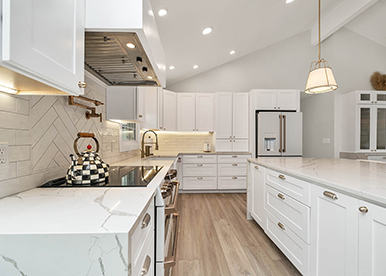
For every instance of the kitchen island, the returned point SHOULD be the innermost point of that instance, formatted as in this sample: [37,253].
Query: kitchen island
[328,216]
[78,231]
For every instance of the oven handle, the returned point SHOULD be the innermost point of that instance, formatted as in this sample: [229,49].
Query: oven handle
[170,261]
[173,207]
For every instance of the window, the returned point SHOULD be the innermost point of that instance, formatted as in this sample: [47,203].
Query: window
[128,136]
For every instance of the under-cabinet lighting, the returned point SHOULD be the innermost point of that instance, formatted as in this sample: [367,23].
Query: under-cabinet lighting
[130,45]
[8,90]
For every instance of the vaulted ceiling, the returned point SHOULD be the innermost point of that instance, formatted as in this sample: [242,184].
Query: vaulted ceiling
[244,26]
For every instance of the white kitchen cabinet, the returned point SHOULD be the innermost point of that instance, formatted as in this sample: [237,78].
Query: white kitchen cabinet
[334,233]
[372,241]
[169,103]
[232,121]
[195,112]
[125,103]
[280,99]
[44,40]
[258,194]
[186,112]
[151,101]
[364,118]
[199,183]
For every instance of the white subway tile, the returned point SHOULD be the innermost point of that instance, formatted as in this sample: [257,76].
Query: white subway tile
[22,106]
[23,137]
[19,153]
[40,148]
[23,168]
[13,121]
[7,102]
[8,172]
[41,107]
[8,136]
[20,184]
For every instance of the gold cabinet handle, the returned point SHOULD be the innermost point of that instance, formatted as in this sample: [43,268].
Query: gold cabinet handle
[281,225]
[146,266]
[145,221]
[82,84]
[234,177]
[200,156]
[363,209]
[281,196]
[140,116]
[200,178]
[281,176]
[256,167]
[234,156]
[199,165]
[330,195]
[234,165]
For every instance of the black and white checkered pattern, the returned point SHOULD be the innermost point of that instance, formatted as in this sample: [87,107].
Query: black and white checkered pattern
[92,171]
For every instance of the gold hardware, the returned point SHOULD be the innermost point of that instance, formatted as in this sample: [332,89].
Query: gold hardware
[234,177]
[281,176]
[281,225]
[145,221]
[200,178]
[84,135]
[173,207]
[234,156]
[146,266]
[234,165]
[71,101]
[278,107]
[199,165]
[82,84]
[330,195]
[363,209]
[281,196]
[284,137]
[281,133]
[140,116]
[170,261]
[256,167]
[200,156]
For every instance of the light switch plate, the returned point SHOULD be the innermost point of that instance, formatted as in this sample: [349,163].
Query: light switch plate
[4,154]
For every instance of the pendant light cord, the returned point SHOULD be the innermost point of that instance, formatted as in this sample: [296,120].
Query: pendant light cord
[319,29]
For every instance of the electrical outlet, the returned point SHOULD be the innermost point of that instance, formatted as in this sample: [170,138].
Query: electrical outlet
[326,140]
[4,156]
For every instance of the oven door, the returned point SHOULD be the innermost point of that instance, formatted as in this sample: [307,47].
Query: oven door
[171,242]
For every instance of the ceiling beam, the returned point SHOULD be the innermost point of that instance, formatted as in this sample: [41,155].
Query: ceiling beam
[339,16]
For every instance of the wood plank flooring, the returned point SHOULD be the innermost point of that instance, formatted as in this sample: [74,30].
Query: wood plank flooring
[216,239]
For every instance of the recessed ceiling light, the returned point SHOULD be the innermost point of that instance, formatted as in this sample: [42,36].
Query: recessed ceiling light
[162,12]
[195,66]
[130,45]
[232,52]
[172,67]
[150,77]
[288,1]
[207,31]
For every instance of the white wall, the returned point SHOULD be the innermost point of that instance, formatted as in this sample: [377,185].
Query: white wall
[285,65]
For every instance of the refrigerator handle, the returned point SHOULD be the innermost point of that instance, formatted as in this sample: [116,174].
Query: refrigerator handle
[281,133]
[284,131]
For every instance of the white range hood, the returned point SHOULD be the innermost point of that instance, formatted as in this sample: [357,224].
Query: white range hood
[129,16]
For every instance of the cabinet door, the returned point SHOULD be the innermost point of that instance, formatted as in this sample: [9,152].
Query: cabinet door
[334,233]
[151,107]
[240,145]
[160,112]
[257,185]
[372,242]
[224,145]
[170,110]
[265,100]
[186,112]
[287,99]
[44,40]
[223,106]
[365,128]
[240,115]
[380,128]
[121,103]
[204,112]
[141,105]
[379,97]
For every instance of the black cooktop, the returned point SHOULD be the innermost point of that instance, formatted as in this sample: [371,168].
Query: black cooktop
[120,176]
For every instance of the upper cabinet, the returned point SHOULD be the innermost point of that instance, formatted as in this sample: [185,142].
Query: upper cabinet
[43,42]
[195,112]
[364,118]
[125,103]
[169,111]
[151,97]
[282,99]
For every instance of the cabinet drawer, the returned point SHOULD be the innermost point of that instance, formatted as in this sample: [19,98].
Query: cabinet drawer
[200,183]
[234,169]
[233,158]
[199,169]
[232,183]
[290,212]
[289,243]
[202,159]
[145,261]
[145,229]
[295,188]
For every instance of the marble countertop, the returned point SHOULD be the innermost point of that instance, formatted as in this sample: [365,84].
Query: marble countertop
[359,178]
[176,153]
[79,210]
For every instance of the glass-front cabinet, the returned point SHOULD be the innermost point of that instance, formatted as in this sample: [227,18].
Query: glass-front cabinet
[371,97]
[372,128]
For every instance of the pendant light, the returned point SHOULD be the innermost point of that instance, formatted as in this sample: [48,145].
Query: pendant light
[320,78]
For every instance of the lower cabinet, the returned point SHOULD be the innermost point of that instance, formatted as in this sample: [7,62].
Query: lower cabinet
[200,183]
[232,182]
[257,189]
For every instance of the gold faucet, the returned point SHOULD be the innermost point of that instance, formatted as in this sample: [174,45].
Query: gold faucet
[143,142]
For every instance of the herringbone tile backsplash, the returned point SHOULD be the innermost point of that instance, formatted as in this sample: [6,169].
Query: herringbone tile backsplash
[41,130]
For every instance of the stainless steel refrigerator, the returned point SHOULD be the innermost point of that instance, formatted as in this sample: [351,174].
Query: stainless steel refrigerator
[279,134]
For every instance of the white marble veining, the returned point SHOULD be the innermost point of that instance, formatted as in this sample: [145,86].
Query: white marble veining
[359,178]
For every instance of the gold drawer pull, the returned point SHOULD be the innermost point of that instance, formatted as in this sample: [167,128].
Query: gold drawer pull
[146,266]
[281,196]
[234,165]
[234,177]
[330,195]
[281,176]
[363,209]
[200,178]
[145,221]
[199,165]
[281,225]
[234,156]
[256,167]
[200,156]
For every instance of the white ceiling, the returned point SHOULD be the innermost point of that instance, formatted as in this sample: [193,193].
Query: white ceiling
[241,25]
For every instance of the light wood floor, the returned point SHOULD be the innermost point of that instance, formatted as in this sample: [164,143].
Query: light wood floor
[216,239]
